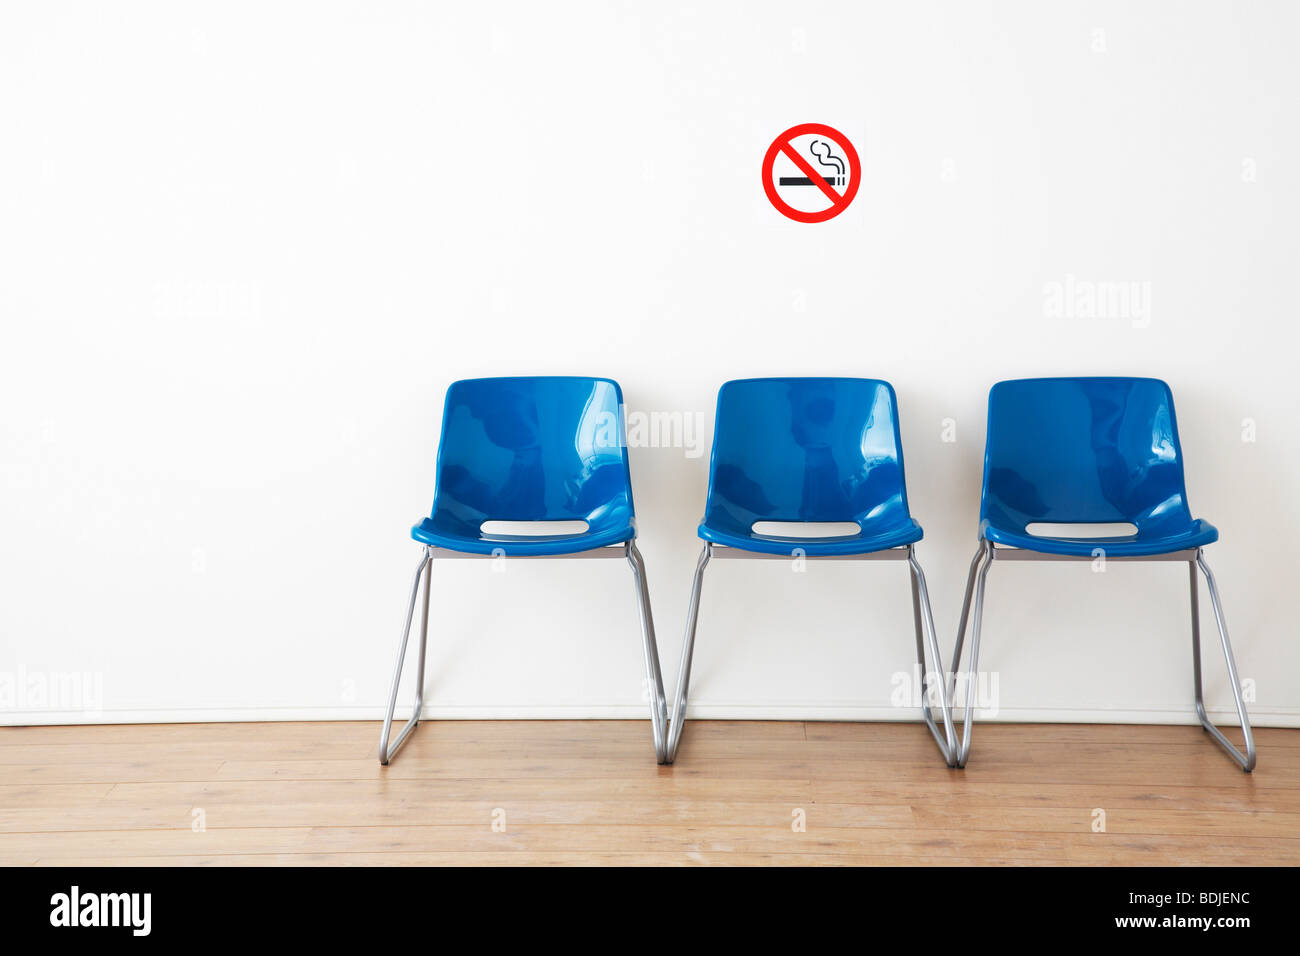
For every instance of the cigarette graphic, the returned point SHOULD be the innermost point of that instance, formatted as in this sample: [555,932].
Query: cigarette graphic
[807,181]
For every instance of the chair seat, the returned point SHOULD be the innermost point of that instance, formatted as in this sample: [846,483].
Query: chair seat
[472,541]
[867,540]
[1180,537]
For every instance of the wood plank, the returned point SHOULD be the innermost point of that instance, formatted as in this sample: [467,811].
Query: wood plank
[581,792]
[1117,734]
[569,838]
[526,858]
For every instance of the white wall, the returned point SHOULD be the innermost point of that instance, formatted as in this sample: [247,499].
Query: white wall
[245,248]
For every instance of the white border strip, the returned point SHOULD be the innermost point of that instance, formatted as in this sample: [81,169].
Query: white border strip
[1259,717]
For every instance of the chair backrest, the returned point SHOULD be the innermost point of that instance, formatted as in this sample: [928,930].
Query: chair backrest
[805,449]
[532,449]
[1083,450]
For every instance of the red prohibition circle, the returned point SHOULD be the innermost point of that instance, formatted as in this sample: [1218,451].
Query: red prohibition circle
[839,202]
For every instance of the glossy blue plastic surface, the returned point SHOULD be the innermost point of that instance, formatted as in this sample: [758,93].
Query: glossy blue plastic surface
[531,449]
[1086,451]
[807,449]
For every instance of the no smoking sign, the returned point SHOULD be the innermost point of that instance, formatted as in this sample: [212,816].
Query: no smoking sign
[811,173]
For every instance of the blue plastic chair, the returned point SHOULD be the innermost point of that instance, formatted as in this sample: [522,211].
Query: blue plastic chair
[525,450]
[811,450]
[1090,451]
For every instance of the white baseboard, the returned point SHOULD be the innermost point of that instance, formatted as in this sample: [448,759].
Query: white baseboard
[847,711]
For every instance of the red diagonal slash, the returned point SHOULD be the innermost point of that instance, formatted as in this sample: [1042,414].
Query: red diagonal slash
[806,168]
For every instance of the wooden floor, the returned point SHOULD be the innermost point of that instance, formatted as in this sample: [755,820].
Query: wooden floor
[560,792]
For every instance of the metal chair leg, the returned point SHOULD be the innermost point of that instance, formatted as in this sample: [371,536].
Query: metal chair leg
[1247,760]
[678,719]
[975,579]
[961,626]
[425,567]
[658,702]
[921,599]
